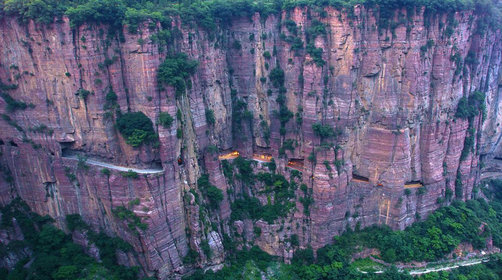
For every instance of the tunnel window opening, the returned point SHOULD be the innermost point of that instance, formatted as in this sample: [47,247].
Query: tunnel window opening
[12,143]
[359,178]
[66,150]
[262,157]
[413,184]
[296,163]
[1,142]
[229,155]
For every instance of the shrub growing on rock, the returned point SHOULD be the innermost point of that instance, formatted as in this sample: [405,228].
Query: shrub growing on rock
[136,128]
[165,119]
[214,195]
[175,70]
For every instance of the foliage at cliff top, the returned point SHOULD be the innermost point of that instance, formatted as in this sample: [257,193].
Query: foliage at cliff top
[208,13]
[136,128]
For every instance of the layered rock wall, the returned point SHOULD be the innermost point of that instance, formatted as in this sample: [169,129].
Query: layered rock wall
[389,94]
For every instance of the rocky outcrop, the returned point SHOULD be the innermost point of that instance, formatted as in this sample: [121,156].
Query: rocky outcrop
[390,97]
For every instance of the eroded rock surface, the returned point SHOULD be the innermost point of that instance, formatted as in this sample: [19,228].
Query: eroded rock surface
[391,104]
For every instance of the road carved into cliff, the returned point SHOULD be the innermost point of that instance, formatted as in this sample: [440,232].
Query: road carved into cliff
[442,267]
[117,167]
[448,267]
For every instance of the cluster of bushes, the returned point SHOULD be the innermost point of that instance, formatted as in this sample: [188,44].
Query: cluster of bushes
[54,255]
[245,171]
[470,107]
[208,14]
[323,130]
[276,187]
[136,128]
[278,190]
[110,100]
[133,222]
[316,54]
[83,93]
[130,174]
[306,200]
[175,71]
[277,78]
[242,263]
[43,11]
[213,194]
[252,269]
[429,240]
[287,145]
[165,119]
[12,104]
[240,113]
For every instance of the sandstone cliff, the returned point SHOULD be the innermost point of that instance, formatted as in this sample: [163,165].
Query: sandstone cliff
[390,96]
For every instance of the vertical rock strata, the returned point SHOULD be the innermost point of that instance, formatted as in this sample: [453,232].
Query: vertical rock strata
[389,95]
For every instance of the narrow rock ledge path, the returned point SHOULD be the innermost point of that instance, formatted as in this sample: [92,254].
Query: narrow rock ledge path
[448,267]
[443,267]
[117,167]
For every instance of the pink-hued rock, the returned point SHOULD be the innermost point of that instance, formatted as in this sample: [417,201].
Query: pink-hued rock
[391,104]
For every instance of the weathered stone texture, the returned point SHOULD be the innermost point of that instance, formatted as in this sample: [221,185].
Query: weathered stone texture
[392,105]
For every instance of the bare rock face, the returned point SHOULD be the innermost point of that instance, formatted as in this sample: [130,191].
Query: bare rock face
[390,97]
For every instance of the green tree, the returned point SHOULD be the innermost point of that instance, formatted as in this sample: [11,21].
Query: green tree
[136,128]
[175,70]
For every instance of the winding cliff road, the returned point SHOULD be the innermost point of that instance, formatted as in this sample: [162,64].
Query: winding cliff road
[445,267]
[117,167]
[448,267]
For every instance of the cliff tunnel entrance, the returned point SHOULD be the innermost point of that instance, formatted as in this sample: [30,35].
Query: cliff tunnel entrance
[359,178]
[262,157]
[66,149]
[229,155]
[12,143]
[296,163]
[413,184]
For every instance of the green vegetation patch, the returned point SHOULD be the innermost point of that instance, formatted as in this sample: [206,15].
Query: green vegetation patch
[213,13]
[431,240]
[133,222]
[323,130]
[54,255]
[175,71]
[213,194]
[13,104]
[111,12]
[136,128]
[470,107]
[279,193]
[165,119]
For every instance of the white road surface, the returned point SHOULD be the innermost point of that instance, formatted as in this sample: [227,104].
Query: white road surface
[447,267]
[119,168]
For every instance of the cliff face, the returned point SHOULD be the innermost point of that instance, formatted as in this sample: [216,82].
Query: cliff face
[389,95]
